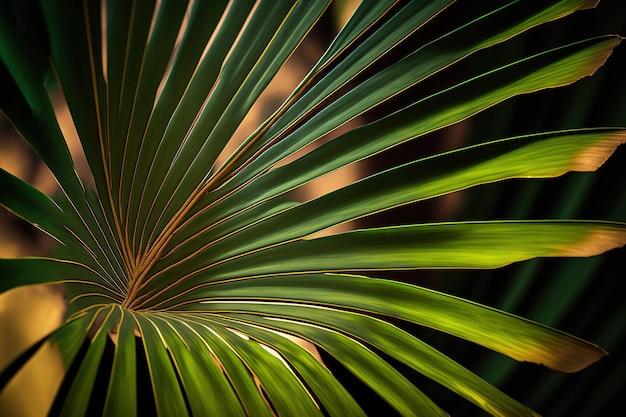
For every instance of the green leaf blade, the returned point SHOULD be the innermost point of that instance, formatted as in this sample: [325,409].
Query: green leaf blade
[206,386]
[462,245]
[369,367]
[526,76]
[31,271]
[534,156]
[253,402]
[292,397]
[79,395]
[513,336]
[122,391]
[31,205]
[388,339]
[76,57]
[333,396]
[168,396]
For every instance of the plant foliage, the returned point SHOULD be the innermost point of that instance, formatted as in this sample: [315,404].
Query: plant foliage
[190,262]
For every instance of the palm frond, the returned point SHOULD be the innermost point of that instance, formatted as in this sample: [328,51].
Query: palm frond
[195,286]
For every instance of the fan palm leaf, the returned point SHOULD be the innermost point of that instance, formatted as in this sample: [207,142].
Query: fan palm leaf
[189,263]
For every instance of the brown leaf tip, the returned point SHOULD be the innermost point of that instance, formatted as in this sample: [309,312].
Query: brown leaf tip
[599,241]
[591,158]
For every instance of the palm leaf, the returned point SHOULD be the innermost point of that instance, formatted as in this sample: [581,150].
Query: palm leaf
[578,293]
[189,270]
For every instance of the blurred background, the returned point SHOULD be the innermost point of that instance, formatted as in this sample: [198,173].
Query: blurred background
[580,296]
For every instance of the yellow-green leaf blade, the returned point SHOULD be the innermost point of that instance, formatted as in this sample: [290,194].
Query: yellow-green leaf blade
[519,338]
[461,245]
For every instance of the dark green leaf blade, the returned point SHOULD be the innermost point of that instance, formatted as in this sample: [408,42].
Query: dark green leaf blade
[168,129]
[37,124]
[545,70]
[25,99]
[358,57]
[203,18]
[253,62]
[158,50]
[31,271]
[31,205]
[492,27]
[76,56]
[534,156]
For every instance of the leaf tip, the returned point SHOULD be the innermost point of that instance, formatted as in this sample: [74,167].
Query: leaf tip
[579,360]
[592,158]
[598,241]
[603,54]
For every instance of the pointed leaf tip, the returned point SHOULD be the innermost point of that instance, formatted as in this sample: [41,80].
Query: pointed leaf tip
[567,356]
[593,157]
[598,241]
[604,51]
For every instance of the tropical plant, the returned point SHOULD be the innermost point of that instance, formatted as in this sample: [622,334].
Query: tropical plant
[198,272]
